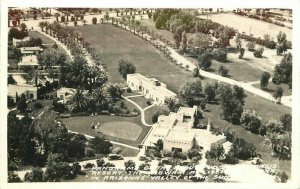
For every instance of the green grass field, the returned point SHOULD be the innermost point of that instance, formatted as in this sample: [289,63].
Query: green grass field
[141,101]
[114,44]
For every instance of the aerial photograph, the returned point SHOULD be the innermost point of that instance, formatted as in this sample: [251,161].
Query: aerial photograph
[149,95]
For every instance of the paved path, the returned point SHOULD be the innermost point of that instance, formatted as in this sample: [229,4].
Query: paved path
[141,110]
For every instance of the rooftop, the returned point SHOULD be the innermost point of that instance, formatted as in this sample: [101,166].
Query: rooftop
[182,135]
[30,60]
[19,89]
[161,89]
[30,49]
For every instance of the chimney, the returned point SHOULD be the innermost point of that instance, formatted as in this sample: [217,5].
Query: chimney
[208,124]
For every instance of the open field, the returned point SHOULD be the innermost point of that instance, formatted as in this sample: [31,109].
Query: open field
[114,44]
[242,24]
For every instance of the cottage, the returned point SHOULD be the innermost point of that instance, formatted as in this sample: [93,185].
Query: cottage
[150,87]
[31,50]
[16,91]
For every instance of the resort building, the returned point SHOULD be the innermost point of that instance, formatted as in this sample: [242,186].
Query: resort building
[16,91]
[20,42]
[177,132]
[150,87]
[30,60]
[31,50]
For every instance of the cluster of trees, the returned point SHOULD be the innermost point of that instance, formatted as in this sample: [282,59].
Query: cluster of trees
[51,58]
[47,142]
[17,34]
[283,71]
[126,67]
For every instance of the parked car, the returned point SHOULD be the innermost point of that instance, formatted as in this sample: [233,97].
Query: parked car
[256,161]
[184,163]
[145,158]
[88,165]
[166,161]
[115,157]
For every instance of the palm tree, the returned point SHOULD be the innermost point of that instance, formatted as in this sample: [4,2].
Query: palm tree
[67,14]
[79,101]
[42,25]
[56,16]
[100,96]
[84,21]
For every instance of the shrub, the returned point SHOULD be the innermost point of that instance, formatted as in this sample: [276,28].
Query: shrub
[196,72]
[220,55]
[37,105]
[223,71]
[129,90]
[75,23]
[242,52]
[148,102]
[258,52]
[94,20]
[63,19]
[251,46]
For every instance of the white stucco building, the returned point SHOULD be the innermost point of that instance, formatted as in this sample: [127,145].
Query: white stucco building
[150,87]
[31,50]
[29,91]
[177,132]
[21,42]
[30,60]
[64,94]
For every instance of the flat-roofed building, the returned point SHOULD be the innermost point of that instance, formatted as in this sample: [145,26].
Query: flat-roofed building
[177,132]
[31,50]
[20,42]
[150,87]
[15,91]
[30,60]
[64,94]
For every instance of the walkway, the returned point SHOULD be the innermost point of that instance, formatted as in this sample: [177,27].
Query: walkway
[141,110]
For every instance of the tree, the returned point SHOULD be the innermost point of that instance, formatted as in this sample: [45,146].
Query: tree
[100,97]
[199,41]
[242,52]
[231,106]
[78,102]
[129,166]
[242,149]
[196,72]
[204,61]
[274,126]
[210,92]
[264,80]
[191,90]
[258,52]
[21,104]
[11,80]
[220,55]
[286,120]
[58,171]
[115,91]
[283,71]
[223,71]
[216,152]
[13,177]
[100,145]
[172,103]
[239,94]
[159,145]
[155,118]
[278,94]
[281,177]
[183,43]
[125,67]
[251,121]
[251,46]
[36,175]
[238,41]
[281,43]
[94,20]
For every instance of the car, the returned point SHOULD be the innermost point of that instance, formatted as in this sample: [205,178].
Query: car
[184,163]
[256,161]
[145,158]
[115,157]
[88,165]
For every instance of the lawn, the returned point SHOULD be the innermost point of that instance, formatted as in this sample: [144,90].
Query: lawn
[272,87]
[130,126]
[141,101]
[239,69]
[47,42]
[127,152]
[248,25]
[115,44]
[149,114]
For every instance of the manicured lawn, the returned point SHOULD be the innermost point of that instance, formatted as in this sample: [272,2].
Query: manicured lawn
[141,101]
[82,124]
[121,129]
[149,114]
[127,152]
[36,111]
[47,42]
[272,87]
[115,43]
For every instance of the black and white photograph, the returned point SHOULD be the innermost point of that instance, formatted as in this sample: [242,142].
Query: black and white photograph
[148,95]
